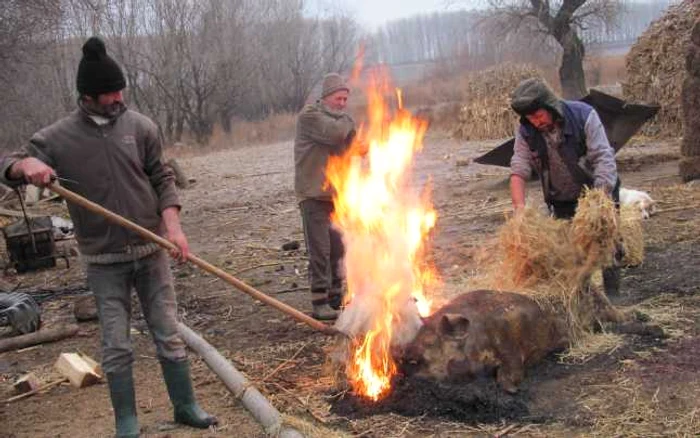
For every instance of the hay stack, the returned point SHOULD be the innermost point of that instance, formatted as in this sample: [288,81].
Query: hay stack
[595,229]
[656,67]
[552,261]
[486,112]
[690,149]
[632,235]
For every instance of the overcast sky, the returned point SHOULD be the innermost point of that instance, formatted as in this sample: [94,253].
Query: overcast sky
[373,13]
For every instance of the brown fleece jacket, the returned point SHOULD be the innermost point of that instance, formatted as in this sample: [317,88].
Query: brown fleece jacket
[320,133]
[118,165]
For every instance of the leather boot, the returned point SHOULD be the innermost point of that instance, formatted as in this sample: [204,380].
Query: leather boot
[121,391]
[187,411]
[321,310]
[611,280]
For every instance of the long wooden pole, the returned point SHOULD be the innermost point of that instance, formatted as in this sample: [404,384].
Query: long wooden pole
[206,266]
[39,389]
[258,406]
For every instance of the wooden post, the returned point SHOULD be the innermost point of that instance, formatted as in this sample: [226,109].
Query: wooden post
[26,383]
[40,337]
[258,406]
[81,370]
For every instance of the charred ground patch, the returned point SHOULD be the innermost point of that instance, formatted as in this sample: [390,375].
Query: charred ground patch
[480,401]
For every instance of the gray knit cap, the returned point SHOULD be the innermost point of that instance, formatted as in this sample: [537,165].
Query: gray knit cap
[333,82]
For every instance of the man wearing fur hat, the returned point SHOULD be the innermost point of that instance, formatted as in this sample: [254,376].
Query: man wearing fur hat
[565,143]
[112,156]
[323,129]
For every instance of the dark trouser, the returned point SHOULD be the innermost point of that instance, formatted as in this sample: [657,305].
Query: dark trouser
[324,245]
[611,274]
[112,285]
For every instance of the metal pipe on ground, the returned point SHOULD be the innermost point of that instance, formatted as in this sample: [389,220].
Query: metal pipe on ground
[204,265]
[258,406]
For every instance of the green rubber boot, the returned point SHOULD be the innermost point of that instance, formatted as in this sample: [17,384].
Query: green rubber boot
[187,411]
[121,391]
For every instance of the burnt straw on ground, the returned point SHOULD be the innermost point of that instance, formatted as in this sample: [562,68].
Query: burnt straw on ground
[477,402]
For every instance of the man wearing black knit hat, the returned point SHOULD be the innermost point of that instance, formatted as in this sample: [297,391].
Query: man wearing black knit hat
[113,156]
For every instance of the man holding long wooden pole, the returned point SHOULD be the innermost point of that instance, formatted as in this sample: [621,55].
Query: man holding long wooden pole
[113,157]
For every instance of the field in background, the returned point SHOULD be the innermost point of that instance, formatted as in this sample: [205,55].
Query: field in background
[430,90]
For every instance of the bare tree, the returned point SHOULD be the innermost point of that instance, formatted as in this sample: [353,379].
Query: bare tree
[561,20]
[191,65]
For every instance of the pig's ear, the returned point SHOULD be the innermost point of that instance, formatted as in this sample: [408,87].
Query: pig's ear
[453,324]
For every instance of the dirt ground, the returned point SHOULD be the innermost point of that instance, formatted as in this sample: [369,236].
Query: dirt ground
[242,209]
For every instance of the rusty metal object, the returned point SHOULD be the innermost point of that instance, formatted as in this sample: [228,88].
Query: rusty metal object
[621,121]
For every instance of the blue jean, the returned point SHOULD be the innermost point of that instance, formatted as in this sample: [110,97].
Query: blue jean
[112,285]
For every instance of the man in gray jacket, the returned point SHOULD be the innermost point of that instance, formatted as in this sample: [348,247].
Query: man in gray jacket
[566,144]
[112,156]
[323,129]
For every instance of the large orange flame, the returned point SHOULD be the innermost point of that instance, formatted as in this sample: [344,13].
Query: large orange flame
[385,223]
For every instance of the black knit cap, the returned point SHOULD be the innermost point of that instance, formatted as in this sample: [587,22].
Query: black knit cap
[98,73]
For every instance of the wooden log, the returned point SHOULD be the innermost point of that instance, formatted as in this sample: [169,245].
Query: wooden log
[258,406]
[39,389]
[27,383]
[81,370]
[40,337]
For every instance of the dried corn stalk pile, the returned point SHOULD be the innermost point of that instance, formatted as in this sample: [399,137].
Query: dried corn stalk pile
[486,112]
[656,67]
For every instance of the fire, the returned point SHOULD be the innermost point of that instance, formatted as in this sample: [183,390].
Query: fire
[385,224]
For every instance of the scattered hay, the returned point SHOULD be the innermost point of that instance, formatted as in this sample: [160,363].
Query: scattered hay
[639,412]
[311,430]
[591,345]
[672,313]
[632,235]
[486,113]
[656,67]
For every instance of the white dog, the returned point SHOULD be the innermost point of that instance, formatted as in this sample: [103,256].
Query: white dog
[639,199]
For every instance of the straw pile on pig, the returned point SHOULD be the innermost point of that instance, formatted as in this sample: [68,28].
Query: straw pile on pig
[656,67]
[486,112]
[552,261]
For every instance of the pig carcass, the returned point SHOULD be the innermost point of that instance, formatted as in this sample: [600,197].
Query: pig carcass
[484,333]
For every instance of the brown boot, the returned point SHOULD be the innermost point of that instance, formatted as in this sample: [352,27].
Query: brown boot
[321,310]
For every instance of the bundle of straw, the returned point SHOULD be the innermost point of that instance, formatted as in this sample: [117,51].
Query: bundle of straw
[533,248]
[552,260]
[595,228]
[632,235]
